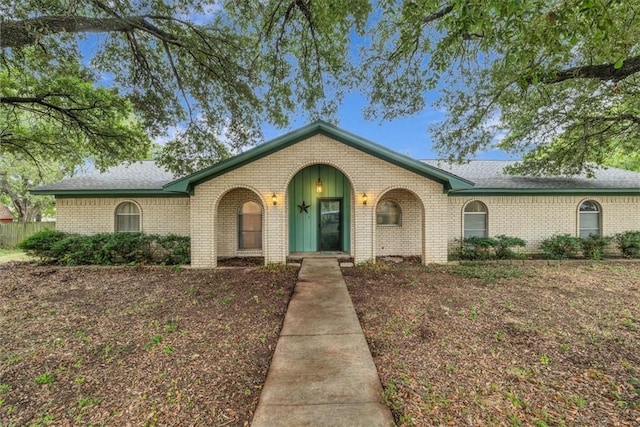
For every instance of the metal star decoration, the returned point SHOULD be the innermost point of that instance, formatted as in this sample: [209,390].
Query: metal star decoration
[304,207]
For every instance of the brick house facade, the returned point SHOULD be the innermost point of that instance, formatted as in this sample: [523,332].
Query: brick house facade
[320,188]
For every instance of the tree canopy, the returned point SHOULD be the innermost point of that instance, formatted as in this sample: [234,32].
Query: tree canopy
[102,78]
[554,81]
[18,174]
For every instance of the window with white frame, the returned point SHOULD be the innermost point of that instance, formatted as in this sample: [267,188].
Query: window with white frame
[128,217]
[388,213]
[589,218]
[250,226]
[475,219]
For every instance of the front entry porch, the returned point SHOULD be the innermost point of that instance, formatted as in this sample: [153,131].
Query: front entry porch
[320,212]
[339,255]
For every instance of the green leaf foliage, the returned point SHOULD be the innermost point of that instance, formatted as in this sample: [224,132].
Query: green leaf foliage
[40,244]
[483,248]
[18,174]
[556,82]
[593,246]
[504,246]
[628,243]
[560,246]
[107,248]
[101,79]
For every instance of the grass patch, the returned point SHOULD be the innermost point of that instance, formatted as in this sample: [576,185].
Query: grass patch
[45,378]
[8,255]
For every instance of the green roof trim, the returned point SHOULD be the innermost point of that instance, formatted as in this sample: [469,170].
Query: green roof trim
[448,180]
[546,192]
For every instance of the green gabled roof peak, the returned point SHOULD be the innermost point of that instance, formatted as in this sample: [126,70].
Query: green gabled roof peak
[448,180]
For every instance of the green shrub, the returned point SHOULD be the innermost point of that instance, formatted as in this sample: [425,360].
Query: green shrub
[108,248]
[39,244]
[593,246]
[80,249]
[560,246]
[476,248]
[125,248]
[178,247]
[628,243]
[504,244]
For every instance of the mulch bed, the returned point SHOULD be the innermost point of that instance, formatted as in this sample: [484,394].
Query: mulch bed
[241,262]
[504,345]
[136,345]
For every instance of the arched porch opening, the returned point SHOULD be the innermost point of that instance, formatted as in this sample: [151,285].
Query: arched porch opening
[399,224]
[240,224]
[320,210]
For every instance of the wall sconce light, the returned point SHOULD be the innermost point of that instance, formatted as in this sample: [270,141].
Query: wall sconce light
[364,198]
[274,199]
[319,185]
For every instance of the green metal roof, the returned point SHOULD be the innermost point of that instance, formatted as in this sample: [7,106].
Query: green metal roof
[448,180]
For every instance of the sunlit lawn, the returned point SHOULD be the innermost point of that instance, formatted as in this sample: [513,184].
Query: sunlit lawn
[7,255]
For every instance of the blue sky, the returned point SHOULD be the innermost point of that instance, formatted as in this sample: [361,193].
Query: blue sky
[408,135]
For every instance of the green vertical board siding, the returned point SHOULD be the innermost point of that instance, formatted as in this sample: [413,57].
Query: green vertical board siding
[303,227]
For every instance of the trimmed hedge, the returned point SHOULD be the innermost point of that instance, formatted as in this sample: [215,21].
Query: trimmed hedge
[107,248]
[628,243]
[593,246]
[482,248]
[561,246]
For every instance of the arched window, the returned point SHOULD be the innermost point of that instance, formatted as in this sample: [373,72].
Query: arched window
[250,226]
[475,219]
[128,217]
[388,213]
[589,218]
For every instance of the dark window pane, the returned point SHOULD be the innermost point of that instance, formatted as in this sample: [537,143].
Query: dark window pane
[250,226]
[388,213]
[127,217]
[589,206]
[475,207]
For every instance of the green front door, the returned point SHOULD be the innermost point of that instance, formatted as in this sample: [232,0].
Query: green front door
[329,225]
[310,205]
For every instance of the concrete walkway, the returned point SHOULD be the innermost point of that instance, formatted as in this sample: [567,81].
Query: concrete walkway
[322,373]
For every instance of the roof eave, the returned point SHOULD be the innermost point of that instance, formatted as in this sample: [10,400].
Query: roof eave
[545,191]
[109,193]
[449,181]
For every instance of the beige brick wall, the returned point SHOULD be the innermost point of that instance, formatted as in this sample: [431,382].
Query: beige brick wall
[431,221]
[272,174]
[534,218]
[404,239]
[158,215]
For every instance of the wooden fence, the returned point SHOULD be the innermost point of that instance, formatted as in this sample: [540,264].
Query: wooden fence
[12,233]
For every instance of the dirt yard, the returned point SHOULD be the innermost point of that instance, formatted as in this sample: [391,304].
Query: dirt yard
[503,345]
[136,345]
[455,345]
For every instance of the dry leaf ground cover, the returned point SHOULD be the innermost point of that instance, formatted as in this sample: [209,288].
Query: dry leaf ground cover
[136,345]
[504,345]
